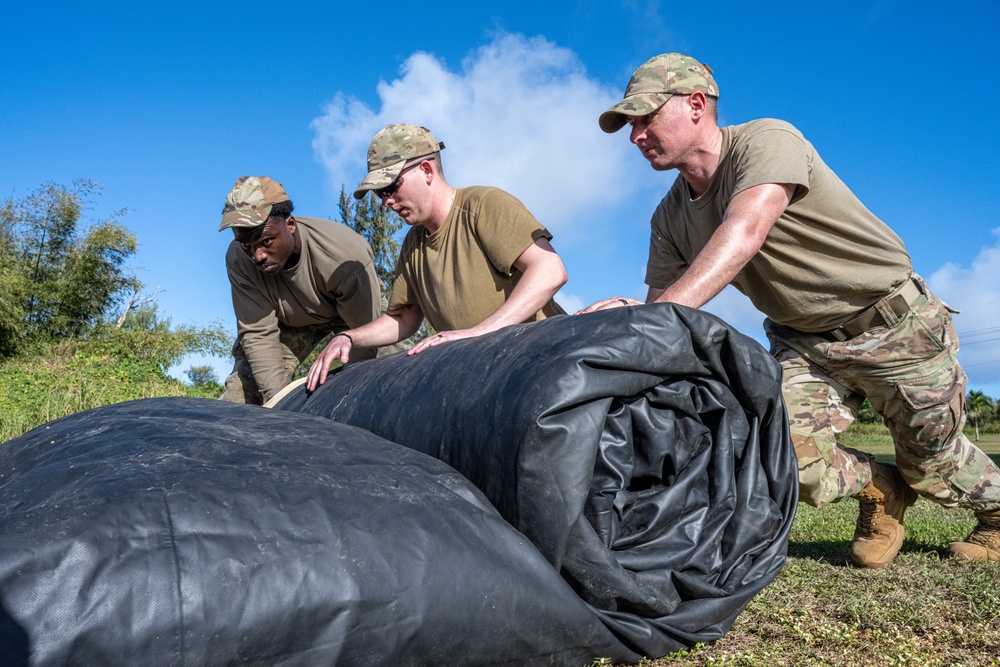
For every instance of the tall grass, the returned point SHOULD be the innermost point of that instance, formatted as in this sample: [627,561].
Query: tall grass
[35,392]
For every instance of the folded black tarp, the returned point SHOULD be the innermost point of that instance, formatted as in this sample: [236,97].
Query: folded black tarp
[188,532]
[643,450]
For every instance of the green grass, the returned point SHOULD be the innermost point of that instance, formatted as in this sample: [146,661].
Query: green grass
[920,610]
[875,439]
[37,391]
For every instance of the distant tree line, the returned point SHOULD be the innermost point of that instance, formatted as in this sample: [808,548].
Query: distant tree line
[982,412]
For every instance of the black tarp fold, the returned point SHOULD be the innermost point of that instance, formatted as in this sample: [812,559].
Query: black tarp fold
[643,450]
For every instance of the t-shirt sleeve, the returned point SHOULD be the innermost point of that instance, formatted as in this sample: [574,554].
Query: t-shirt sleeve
[775,155]
[664,264]
[400,298]
[506,229]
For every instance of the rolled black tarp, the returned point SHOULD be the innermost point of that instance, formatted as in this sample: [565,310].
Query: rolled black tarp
[189,532]
[643,450]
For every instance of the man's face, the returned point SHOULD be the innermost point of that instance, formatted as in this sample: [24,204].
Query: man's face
[271,245]
[407,197]
[663,136]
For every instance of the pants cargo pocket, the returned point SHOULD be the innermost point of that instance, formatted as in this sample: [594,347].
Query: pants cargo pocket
[929,415]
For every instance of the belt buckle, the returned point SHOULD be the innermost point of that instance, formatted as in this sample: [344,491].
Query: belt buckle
[838,334]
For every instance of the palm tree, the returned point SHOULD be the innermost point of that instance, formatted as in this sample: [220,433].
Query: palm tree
[978,404]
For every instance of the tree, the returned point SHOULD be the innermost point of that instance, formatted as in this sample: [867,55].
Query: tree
[867,415]
[59,279]
[978,404]
[200,376]
[62,281]
[11,314]
[379,226]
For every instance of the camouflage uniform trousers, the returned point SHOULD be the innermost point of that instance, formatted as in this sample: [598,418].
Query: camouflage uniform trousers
[296,344]
[910,374]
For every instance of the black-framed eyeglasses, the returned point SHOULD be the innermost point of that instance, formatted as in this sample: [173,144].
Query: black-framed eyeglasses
[390,189]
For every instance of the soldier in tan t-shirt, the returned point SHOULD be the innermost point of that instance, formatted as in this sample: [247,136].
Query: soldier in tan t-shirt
[474,261]
[754,206]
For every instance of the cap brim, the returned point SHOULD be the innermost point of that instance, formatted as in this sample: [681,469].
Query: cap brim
[642,104]
[379,178]
[237,218]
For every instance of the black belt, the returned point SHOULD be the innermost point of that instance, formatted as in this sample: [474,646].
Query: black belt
[886,312]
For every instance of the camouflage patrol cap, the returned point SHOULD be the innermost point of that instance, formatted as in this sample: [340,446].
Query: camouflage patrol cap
[655,82]
[249,202]
[389,151]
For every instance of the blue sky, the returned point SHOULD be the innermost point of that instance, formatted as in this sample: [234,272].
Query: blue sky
[166,105]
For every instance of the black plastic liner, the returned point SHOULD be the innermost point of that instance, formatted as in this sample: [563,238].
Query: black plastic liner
[643,450]
[190,532]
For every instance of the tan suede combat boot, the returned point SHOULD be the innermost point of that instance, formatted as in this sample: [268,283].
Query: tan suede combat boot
[879,532]
[983,543]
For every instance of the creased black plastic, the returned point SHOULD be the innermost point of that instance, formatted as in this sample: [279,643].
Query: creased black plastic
[189,532]
[643,450]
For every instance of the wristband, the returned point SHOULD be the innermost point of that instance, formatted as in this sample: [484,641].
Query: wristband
[347,336]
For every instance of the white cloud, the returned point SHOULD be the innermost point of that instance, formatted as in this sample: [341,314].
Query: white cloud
[975,291]
[520,113]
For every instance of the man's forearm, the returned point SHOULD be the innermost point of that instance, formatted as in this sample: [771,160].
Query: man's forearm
[387,329]
[749,218]
[268,371]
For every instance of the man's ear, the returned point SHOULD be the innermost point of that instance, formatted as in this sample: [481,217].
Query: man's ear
[697,103]
[427,169]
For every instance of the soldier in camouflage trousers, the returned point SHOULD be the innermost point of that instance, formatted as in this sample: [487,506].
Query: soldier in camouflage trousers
[755,206]
[911,376]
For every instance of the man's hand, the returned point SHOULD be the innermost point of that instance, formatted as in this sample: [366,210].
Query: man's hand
[384,330]
[438,338]
[605,304]
[339,347]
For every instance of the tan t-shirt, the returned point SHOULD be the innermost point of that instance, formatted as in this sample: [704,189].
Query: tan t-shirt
[826,258]
[463,272]
[334,283]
